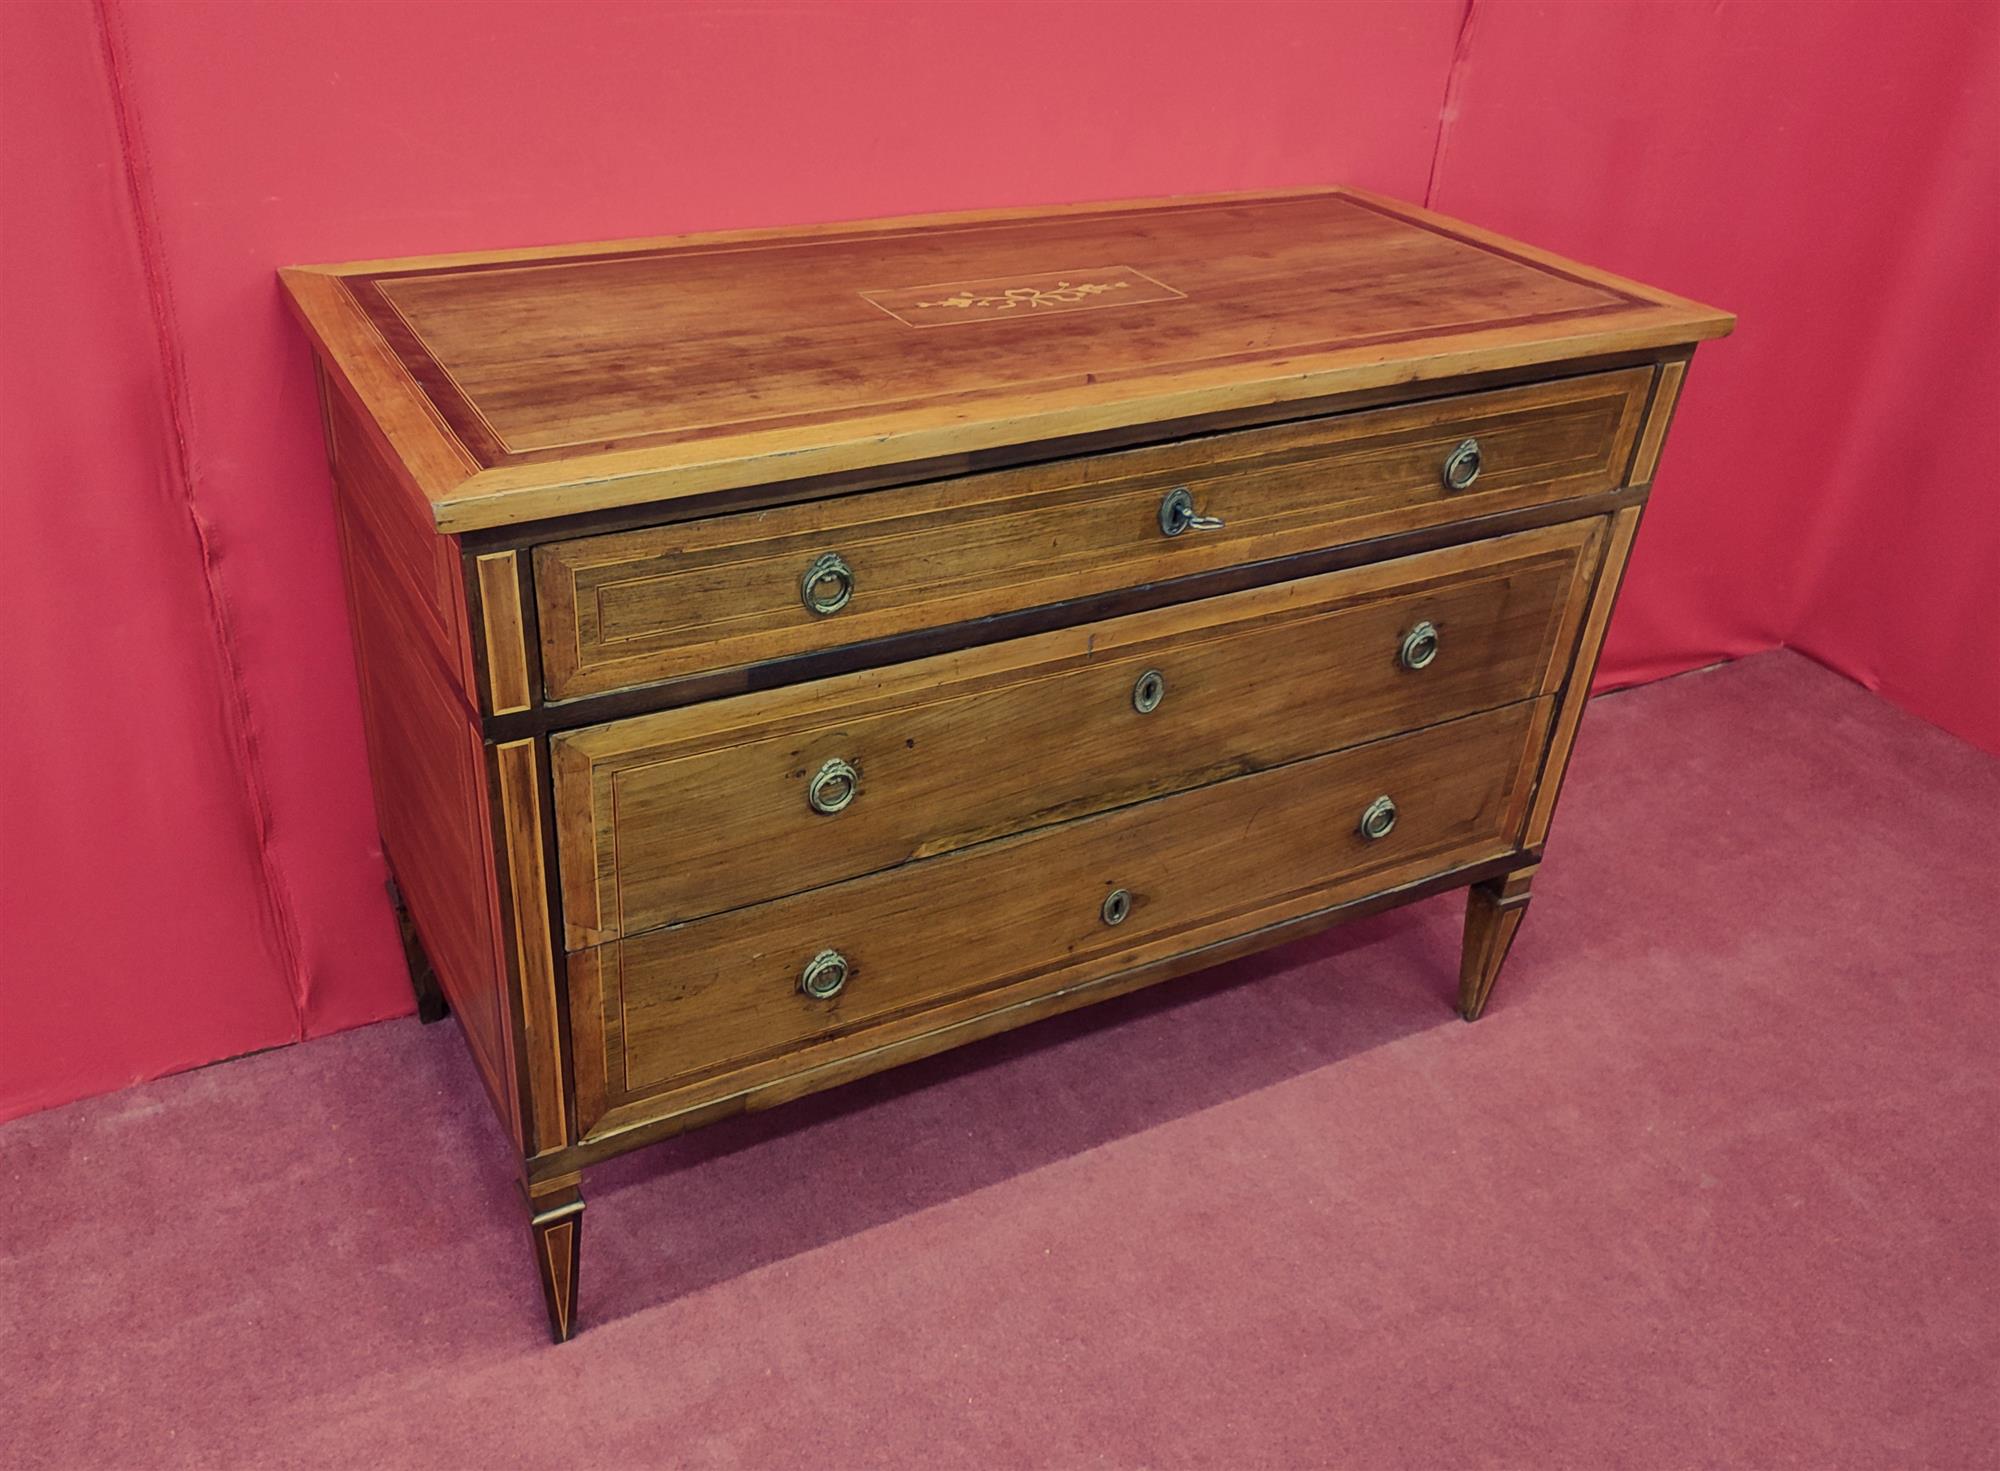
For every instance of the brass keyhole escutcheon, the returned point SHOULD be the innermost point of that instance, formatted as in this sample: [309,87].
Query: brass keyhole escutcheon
[827,585]
[1420,646]
[1148,690]
[1461,466]
[1378,818]
[1177,514]
[833,786]
[824,975]
[1117,905]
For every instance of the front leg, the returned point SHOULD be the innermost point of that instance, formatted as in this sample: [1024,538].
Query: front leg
[555,1221]
[1493,913]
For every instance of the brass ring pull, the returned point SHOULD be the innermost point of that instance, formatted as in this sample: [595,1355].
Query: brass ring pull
[1378,818]
[827,585]
[1177,514]
[824,975]
[1117,905]
[833,786]
[1461,466]
[1420,646]
[1148,690]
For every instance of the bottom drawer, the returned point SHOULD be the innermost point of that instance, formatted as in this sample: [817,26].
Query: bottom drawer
[694,1012]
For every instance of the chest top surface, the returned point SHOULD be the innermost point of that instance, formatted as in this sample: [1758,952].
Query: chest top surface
[519,385]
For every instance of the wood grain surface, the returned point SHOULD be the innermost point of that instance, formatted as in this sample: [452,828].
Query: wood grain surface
[581,378]
[668,817]
[1576,691]
[578,492]
[1493,914]
[503,640]
[520,836]
[637,606]
[425,755]
[708,1008]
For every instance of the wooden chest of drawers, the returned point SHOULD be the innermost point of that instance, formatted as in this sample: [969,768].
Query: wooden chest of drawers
[788,653]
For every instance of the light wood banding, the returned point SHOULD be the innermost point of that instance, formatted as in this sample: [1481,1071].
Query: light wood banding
[507,682]
[1658,417]
[1493,915]
[1617,549]
[519,810]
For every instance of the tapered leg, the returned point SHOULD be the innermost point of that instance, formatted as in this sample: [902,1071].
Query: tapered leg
[555,1220]
[431,1005]
[1492,914]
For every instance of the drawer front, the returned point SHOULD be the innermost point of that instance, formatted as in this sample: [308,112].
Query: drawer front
[691,1013]
[669,817]
[635,607]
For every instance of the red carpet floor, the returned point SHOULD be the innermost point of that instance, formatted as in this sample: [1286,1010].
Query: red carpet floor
[1714,1184]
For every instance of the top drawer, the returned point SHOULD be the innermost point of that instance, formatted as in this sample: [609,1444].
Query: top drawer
[640,606]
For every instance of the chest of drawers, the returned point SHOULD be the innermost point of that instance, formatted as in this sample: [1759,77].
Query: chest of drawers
[788,653]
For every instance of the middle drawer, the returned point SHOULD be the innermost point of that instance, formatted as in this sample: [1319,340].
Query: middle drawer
[668,817]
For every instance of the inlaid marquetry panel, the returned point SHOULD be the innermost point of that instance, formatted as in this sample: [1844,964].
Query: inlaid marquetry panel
[627,372]
[1019,298]
[564,355]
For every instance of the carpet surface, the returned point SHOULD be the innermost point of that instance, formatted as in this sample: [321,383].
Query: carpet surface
[1713,1184]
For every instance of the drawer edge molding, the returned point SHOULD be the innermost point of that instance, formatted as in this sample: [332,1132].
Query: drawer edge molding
[694,689]
[628,1126]
[1510,607]
[628,609]
[607,1012]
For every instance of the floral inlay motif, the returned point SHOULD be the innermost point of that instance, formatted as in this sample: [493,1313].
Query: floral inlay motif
[1019,297]
[1060,294]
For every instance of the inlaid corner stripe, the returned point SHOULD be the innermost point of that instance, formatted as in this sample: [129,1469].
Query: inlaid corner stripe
[1655,433]
[1624,524]
[521,815]
[556,1243]
[506,643]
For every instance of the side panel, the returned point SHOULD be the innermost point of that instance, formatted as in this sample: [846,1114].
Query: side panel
[425,752]
[421,567]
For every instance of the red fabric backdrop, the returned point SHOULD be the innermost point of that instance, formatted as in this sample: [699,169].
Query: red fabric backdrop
[188,867]
[1831,173]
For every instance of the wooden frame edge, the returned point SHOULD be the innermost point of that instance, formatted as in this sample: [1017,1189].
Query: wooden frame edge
[506,680]
[521,851]
[1576,693]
